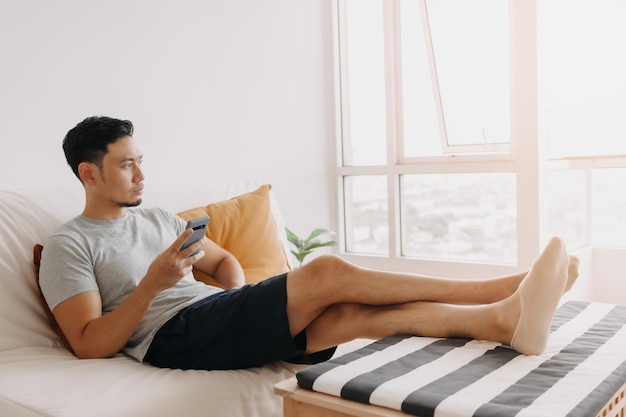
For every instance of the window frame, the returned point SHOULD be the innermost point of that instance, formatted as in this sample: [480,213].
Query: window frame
[523,157]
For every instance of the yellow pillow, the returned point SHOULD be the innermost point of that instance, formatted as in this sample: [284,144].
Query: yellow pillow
[245,227]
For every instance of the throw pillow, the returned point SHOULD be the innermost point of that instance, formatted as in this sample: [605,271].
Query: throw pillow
[245,227]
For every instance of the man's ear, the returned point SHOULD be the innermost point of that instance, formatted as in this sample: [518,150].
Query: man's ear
[87,172]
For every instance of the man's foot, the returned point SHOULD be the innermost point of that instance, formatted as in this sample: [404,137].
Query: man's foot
[572,272]
[539,295]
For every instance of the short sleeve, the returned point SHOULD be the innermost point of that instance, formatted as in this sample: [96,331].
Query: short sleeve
[66,270]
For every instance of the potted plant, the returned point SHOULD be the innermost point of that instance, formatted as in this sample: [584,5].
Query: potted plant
[304,247]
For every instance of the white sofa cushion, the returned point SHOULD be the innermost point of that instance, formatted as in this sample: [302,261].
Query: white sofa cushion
[27,217]
[52,382]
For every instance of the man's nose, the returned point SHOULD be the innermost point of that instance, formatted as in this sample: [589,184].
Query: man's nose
[138,174]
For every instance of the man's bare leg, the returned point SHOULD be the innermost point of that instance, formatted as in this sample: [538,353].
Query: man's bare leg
[329,280]
[389,312]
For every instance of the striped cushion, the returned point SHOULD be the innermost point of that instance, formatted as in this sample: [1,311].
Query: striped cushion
[583,365]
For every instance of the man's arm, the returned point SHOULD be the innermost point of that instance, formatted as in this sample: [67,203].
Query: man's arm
[221,265]
[94,335]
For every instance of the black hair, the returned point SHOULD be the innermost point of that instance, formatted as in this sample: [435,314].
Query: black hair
[88,140]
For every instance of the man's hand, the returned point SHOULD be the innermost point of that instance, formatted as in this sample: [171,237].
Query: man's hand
[173,264]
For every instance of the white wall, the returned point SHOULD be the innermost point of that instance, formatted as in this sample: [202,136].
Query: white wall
[236,89]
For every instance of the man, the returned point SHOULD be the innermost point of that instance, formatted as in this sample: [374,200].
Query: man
[116,280]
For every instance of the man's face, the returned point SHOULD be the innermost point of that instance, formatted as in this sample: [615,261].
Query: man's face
[121,177]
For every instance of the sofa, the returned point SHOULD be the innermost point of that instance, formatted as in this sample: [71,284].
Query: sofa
[39,376]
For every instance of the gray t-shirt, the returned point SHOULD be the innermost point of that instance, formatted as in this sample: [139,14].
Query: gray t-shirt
[112,256]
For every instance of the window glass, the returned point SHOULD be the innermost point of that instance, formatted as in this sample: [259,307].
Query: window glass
[469,216]
[565,198]
[366,214]
[470,52]
[608,208]
[581,76]
[421,131]
[471,46]
[363,88]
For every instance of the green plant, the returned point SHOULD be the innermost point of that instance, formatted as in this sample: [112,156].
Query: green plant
[305,246]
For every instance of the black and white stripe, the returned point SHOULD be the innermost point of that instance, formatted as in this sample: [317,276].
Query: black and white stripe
[581,368]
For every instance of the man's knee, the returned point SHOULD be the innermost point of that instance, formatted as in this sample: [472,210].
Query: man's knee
[327,265]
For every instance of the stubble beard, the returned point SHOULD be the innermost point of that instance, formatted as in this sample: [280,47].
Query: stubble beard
[130,204]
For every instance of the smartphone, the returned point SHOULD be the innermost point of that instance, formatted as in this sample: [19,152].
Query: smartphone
[199,227]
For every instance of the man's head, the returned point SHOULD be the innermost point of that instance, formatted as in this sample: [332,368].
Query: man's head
[88,140]
[105,158]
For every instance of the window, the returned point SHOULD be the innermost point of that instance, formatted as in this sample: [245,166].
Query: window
[609,201]
[582,82]
[470,131]
[365,202]
[470,217]
[582,89]
[445,108]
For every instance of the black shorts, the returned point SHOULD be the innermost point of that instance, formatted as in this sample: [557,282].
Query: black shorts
[233,329]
